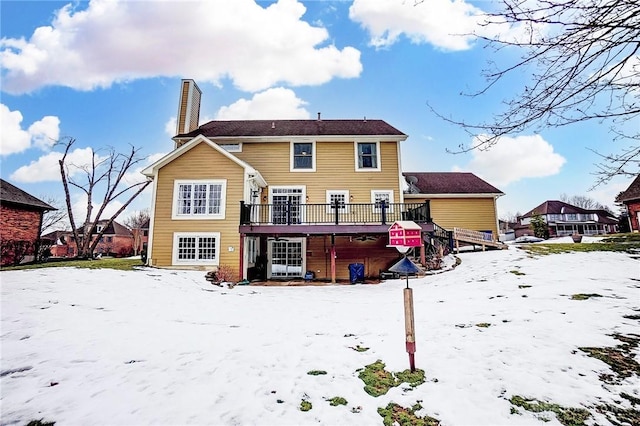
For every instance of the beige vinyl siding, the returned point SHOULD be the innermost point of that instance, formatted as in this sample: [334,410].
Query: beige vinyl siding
[335,169]
[477,214]
[201,162]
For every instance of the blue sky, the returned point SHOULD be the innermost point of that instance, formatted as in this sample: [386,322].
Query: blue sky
[107,73]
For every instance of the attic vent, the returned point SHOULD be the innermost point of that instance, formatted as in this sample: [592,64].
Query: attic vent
[365,118]
[319,116]
[273,124]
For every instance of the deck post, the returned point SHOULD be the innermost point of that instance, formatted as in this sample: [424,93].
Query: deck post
[333,259]
[241,254]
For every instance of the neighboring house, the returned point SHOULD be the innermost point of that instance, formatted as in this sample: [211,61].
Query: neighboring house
[20,223]
[631,199]
[278,198]
[59,242]
[457,200]
[565,219]
[117,239]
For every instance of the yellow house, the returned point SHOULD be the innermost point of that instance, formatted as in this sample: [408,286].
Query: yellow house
[457,200]
[273,199]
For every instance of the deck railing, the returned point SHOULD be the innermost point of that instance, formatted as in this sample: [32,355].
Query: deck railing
[333,213]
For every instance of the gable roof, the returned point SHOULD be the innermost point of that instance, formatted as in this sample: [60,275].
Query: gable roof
[632,192]
[10,194]
[448,183]
[153,169]
[271,128]
[114,228]
[554,207]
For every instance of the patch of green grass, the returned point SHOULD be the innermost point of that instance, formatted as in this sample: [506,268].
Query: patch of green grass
[316,372]
[415,378]
[122,264]
[622,238]
[483,325]
[359,348]
[620,358]
[396,414]
[566,416]
[584,296]
[305,405]
[524,286]
[516,272]
[545,249]
[378,381]
[337,400]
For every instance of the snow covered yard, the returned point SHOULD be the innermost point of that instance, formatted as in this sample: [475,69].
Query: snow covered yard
[165,347]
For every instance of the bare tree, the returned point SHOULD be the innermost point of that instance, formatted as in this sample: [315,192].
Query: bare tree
[584,61]
[135,222]
[53,219]
[584,202]
[104,174]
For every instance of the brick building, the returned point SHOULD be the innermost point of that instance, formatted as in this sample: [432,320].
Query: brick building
[631,199]
[20,223]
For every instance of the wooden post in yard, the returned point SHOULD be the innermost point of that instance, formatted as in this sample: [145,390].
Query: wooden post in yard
[409,325]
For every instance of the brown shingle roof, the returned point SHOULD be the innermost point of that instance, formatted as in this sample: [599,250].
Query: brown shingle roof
[448,183]
[10,194]
[247,128]
[632,192]
[554,207]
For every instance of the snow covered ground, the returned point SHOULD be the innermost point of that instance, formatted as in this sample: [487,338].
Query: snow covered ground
[106,347]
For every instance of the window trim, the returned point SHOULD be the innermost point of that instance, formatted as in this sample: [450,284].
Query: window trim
[231,147]
[378,166]
[192,216]
[389,192]
[342,210]
[292,157]
[195,262]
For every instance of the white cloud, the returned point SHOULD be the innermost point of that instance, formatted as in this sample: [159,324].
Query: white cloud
[273,103]
[47,168]
[170,126]
[114,41]
[46,132]
[14,139]
[446,24]
[512,159]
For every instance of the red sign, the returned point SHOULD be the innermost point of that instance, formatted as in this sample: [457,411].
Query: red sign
[405,233]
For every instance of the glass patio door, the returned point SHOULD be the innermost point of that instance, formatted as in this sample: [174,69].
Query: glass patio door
[286,258]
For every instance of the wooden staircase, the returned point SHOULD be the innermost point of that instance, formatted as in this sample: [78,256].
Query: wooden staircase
[467,236]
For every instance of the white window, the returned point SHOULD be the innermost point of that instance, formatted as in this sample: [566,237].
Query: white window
[231,147]
[303,156]
[367,156]
[199,199]
[378,196]
[339,196]
[196,248]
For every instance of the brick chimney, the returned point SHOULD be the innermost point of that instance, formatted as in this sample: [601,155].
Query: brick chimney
[188,107]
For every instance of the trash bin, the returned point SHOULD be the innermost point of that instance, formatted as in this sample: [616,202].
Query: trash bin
[356,273]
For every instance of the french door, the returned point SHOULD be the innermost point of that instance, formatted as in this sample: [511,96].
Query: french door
[285,258]
[285,205]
